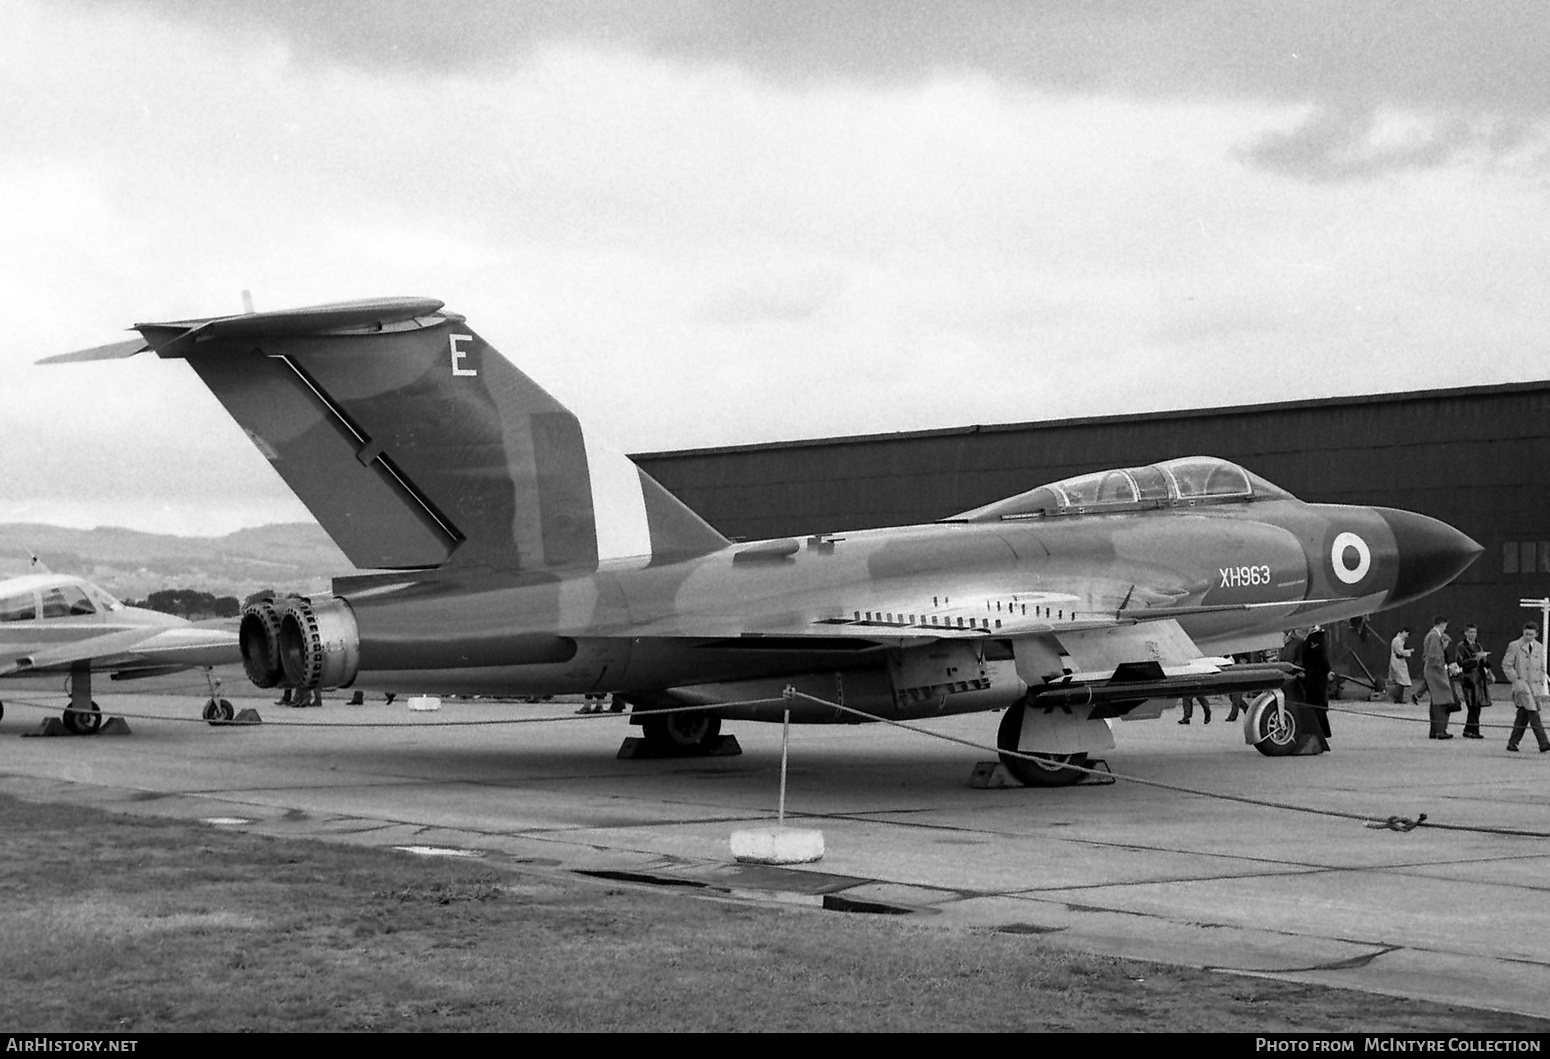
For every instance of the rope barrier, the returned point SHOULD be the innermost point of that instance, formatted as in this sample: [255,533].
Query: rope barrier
[1392,823]
[1389,823]
[707,707]
[1400,717]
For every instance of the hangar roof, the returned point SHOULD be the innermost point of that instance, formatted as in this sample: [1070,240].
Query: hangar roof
[1127,417]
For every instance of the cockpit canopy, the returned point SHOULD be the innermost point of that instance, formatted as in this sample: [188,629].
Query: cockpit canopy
[1184,482]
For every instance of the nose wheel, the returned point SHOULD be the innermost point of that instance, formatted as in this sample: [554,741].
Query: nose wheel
[1280,727]
[83,720]
[82,716]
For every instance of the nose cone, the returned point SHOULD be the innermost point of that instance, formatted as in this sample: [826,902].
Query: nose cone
[1430,554]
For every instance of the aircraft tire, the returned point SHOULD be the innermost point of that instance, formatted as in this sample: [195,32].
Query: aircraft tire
[84,722]
[682,733]
[2,711]
[1271,737]
[1045,770]
[216,711]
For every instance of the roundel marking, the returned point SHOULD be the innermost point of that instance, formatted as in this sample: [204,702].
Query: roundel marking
[1340,554]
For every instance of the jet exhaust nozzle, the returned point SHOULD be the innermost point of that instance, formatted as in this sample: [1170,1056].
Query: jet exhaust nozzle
[319,643]
[259,639]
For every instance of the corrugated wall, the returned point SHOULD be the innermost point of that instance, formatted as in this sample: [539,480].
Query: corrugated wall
[1477,458]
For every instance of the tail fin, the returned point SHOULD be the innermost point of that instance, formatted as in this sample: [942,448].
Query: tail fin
[416,444]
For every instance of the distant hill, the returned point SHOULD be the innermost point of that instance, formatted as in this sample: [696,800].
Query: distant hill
[290,557]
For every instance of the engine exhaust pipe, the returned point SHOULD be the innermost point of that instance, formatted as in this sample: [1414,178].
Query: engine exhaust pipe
[319,643]
[259,638]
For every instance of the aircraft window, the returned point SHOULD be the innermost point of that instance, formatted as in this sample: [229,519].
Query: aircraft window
[65,600]
[1201,476]
[1264,488]
[1151,483]
[54,605]
[1083,491]
[79,604]
[1100,488]
[18,608]
[1189,479]
[1116,488]
[102,599]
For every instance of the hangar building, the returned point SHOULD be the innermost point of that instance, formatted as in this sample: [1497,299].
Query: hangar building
[1476,457]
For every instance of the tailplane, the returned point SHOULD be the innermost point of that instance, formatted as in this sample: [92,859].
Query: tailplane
[416,444]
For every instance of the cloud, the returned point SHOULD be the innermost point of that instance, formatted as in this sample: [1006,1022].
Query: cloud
[1473,74]
[1340,143]
[774,295]
[1485,54]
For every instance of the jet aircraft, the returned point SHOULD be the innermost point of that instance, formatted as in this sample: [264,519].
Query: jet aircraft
[515,553]
[54,624]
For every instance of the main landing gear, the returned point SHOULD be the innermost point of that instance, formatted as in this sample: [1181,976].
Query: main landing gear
[668,730]
[1043,770]
[217,710]
[681,734]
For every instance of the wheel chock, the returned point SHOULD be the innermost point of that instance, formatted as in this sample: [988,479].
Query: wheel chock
[994,776]
[634,748]
[52,726]
[245,716]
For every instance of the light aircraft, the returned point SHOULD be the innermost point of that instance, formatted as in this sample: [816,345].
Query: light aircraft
[54,624]
[517,554]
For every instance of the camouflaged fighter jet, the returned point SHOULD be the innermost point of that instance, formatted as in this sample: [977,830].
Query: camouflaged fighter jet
[519,555]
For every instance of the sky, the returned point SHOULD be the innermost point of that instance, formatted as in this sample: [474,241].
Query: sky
[701,224]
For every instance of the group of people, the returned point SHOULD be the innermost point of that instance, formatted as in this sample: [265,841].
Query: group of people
[1457,673]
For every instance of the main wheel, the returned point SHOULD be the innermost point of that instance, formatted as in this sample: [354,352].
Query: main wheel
[84,721]
[1035,770]
[682,733]
[1275,729]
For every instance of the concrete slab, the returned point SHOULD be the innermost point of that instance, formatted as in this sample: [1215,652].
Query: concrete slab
[1190,871]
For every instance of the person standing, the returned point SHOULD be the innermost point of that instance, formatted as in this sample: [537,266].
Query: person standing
[1439,683]
[1316,668]
[1189,708]
[1474,679]
[1399,669]
[1524,665]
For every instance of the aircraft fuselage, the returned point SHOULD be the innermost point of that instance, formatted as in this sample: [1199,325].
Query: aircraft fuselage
[1234,575]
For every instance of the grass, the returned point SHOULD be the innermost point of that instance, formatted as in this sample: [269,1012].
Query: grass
[123,924]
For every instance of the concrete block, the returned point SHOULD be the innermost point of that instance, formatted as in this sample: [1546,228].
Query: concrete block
[777,845]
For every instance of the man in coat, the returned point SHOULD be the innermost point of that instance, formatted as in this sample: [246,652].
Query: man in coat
[1399,669]
[1524,665]
[1434,670]
[1474,679]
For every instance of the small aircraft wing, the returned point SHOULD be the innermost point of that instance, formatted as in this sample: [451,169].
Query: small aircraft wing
[137,648]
